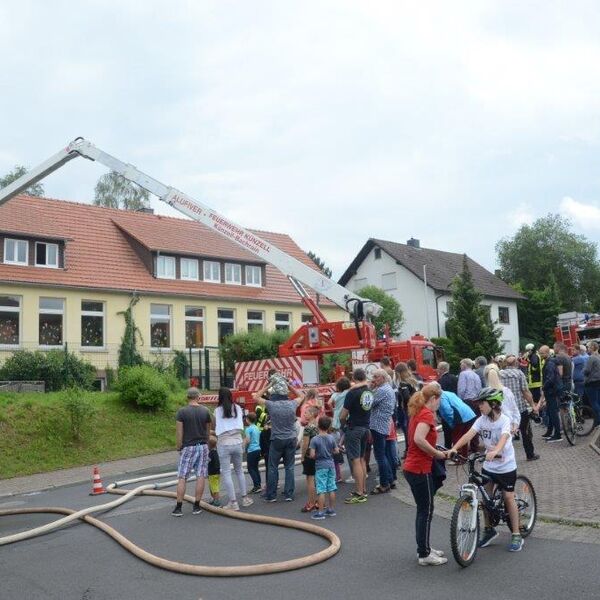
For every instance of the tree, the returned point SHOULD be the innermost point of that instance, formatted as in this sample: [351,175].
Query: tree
[538,313]
[391,314]
[320,263]
[37,189]
[114,191]
[470,328]
[548,248]
[251,345]
[128,352]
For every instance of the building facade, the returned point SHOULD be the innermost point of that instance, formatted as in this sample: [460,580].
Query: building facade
[420,279]
[69,271]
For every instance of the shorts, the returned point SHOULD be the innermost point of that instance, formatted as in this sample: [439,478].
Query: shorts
[356,442]
[505,481]
[308,467]
[325,481]
[214,483]
[193,458]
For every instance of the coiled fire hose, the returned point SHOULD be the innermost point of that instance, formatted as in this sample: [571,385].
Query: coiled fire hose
[153,489]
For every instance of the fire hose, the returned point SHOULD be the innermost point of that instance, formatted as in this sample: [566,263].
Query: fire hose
[155,489]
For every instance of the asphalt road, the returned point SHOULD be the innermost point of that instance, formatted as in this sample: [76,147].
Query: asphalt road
[378,556]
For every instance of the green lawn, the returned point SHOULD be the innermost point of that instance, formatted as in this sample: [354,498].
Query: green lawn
[35,433]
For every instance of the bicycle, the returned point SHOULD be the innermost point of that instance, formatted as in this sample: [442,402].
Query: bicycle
[465,522]
[576,418]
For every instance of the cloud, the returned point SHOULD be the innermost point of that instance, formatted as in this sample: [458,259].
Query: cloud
[522,215]
[586,216]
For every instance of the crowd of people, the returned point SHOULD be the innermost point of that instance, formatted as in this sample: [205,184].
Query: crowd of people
[489,403]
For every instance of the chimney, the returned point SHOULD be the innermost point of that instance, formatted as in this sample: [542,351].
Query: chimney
[413,243]
[146,210]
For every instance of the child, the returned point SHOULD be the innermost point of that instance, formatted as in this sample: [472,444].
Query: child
[214,471]
[308,463]
[322,449]
[336,403]
[252,440]
[500,464]
[278,386]
[311,398]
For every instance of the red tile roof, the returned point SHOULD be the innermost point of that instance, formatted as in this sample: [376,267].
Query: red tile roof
[98,254]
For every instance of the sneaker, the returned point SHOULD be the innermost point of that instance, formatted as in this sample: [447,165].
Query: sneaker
[177,512]
[359,499]
[555,439]
[232,505]
[436,552]
[533,457]
[489,535]
[289,499]
[433,560]
[548,434]
[214,502]
[196,510]
[247,501]
[274,499]
[329,512]
[516,543]
[350,480]
[256,489]
[318,516]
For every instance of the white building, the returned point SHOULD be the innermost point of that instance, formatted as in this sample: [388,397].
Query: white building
[420,279]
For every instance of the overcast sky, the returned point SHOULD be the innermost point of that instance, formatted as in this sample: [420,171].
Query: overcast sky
[332,121]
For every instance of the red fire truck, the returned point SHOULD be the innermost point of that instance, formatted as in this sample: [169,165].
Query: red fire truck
[573,328]
[300,356]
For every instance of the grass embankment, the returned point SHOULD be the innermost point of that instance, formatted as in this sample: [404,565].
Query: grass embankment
[35,432]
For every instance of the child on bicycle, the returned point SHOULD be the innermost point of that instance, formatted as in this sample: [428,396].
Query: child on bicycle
[500,464]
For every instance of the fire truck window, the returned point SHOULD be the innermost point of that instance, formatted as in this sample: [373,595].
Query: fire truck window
[429,357]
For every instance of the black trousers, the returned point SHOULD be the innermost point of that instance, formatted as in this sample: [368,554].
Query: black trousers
[423,490]
[526,434]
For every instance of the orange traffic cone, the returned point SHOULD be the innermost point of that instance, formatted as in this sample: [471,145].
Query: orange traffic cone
[97,487]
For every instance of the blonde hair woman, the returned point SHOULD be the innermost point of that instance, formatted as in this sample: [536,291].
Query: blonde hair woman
[422,438]
[509,404]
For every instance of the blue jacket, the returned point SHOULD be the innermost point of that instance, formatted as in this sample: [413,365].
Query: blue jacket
[453,410]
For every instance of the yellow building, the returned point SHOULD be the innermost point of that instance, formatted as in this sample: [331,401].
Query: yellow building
[68,270]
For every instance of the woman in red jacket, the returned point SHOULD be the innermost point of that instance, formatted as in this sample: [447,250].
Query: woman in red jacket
[422,438]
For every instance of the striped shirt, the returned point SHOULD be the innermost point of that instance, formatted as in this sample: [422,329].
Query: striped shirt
[469,385]
[382,409]
[515,381]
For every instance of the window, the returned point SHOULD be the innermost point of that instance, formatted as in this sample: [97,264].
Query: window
[253,276]
[255,320]
[306,317]
[92,324]
[212,271]
[360,283]
[388,281]
[503,314]
[233,273]
[160,326]
[16,252]
[189,269]
[165,267]
[225,323]
[377,253]
[10,320]
[46,255]
[282,321]
[194,327]
[51,321]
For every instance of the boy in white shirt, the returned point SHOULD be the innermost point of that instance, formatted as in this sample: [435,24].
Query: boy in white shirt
[500,465]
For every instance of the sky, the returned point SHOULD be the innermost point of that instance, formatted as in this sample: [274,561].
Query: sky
[332,121]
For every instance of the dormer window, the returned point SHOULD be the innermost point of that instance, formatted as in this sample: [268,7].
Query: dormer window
[212,271]
[233,274]
[165,267]
[253,276]
[16,252]
[189,269]
[46,255]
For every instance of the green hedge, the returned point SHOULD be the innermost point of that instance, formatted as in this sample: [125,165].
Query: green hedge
[143,387]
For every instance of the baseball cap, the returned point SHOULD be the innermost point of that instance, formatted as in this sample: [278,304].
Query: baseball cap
[529,347]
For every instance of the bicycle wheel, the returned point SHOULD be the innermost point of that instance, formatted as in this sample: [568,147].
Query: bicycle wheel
[584,423]
[464,538]
[568,424]
[526,503]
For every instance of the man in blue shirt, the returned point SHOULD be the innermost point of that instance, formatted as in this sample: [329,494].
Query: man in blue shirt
[458,416]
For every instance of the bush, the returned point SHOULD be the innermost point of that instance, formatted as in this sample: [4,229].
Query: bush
[253,345]
[59,369]
[180,365]
[79,410]
[327,372]
[142,387]
[450,354]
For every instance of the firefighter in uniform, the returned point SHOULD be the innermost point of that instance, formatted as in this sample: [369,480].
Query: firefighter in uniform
[534,372]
